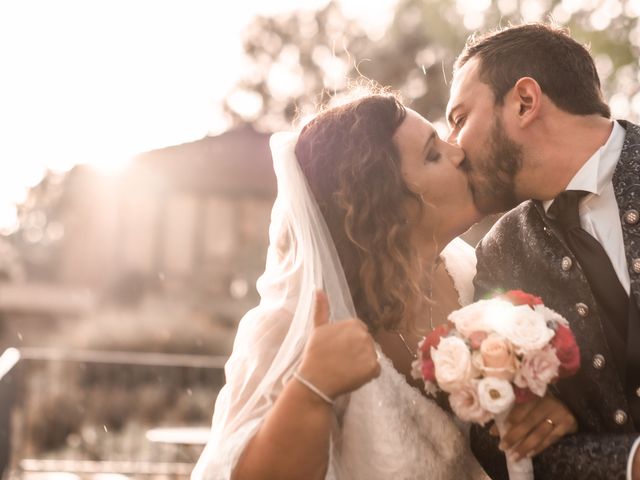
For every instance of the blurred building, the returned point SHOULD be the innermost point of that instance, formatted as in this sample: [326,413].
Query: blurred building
[189,220]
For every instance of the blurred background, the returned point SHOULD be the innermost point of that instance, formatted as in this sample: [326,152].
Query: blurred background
[136,187]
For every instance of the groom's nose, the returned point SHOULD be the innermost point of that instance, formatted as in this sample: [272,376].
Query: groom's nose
[457,155]
[452,138]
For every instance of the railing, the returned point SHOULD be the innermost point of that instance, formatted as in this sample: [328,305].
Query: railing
[139,415]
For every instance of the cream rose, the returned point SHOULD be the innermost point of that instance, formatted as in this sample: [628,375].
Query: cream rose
[478,316]
[525,328]
[538,369]
[496,358]
[465,403]
[452,360]
[495,395]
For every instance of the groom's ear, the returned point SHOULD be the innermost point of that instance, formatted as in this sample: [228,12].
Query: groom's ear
[526,97]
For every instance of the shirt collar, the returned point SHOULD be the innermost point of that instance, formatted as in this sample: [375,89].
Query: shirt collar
[597,171]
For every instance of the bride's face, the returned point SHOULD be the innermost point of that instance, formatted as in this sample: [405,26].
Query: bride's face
[431,168]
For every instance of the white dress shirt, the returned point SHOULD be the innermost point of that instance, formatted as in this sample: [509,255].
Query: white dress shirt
[599,214]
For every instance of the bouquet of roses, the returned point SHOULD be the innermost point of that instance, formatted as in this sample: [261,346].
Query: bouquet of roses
[494,354]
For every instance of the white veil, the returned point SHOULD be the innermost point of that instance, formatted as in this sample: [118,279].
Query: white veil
[271,337]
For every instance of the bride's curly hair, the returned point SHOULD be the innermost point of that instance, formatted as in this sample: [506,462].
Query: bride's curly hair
[352,166]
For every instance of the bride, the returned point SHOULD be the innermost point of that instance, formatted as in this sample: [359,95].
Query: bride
[363,260]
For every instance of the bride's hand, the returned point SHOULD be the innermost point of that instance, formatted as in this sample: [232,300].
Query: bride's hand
[339,357]
[535,425]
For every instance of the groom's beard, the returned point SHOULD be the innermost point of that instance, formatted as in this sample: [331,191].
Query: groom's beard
[492,178]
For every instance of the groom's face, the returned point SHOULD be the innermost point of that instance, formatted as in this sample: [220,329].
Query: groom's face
[493,160]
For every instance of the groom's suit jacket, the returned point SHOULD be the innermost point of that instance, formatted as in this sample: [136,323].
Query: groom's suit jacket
[524,250]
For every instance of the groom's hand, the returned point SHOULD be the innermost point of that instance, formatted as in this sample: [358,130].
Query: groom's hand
[535,425]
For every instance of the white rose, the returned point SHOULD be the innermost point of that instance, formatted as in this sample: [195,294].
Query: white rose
[478,316]
[452,360]
[525,328]
[495,395]
[551,315]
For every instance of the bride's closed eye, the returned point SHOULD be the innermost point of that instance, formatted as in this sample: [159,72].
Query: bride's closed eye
[433,155]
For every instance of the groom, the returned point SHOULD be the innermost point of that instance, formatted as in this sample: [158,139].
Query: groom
[527,108]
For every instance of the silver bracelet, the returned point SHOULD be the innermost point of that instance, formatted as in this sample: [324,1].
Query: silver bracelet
[312,387]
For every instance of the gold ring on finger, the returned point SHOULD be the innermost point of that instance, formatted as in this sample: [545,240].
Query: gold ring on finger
[550,422]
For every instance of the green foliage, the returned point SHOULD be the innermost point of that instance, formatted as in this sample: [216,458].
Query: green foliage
[299,61]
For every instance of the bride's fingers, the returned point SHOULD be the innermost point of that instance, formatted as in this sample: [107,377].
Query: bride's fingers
[563,428]
[516,435]
[320,309]
[523,420]
[521,412]
[543,435]
[552,438]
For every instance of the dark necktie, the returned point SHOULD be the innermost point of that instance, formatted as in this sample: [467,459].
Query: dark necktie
[619,313]
[612,299]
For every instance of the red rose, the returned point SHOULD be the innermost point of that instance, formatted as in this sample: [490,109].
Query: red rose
[428,370]
[433,340]
[523,395]
[518,297]
[567,351]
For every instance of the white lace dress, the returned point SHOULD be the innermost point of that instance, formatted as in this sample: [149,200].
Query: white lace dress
[391,431]
[386,430]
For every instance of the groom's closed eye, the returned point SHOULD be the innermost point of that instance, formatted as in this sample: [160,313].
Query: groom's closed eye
[458,122]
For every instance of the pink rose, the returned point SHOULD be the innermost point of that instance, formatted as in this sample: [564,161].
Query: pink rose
[497,357]
[538,369]
[476,339]
[567,351]
[466,405]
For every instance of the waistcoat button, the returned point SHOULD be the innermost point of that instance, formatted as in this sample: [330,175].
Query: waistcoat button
[598,361]
[582,309]
[620,417]
[631,217]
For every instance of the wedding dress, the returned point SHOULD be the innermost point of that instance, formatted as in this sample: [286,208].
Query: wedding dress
[390,430]
[385,430]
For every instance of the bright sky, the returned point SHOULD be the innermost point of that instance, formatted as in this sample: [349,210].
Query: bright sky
[98,81]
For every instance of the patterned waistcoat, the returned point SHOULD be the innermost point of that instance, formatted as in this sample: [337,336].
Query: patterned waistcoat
[524,250]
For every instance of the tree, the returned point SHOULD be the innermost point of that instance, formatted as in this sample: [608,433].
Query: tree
[299,61]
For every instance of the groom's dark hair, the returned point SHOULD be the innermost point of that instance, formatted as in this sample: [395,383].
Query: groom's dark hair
[562,67]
